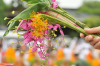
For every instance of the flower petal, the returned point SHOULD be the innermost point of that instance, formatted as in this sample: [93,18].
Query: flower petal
[53,0]
[61,32]
[21,23]
[27,40]
[34,49]
[24,26]
[50,26]
[41,54]
[55,27]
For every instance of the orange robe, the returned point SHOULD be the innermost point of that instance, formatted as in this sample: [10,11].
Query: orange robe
[72,57]
[89,57]
[10,55]
[60,54]
[95,62]
[31,55]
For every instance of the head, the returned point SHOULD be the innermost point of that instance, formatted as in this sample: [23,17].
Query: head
[76,55]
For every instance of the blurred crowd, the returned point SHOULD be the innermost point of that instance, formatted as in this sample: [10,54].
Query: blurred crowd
[68,52]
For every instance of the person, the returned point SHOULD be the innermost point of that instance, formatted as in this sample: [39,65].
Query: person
[95,42]
[96,61]
[79,62]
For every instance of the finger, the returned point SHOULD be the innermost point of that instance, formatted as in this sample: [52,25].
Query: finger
[95,40]
[97,45]
[82,35]
[93,30]
[88,38]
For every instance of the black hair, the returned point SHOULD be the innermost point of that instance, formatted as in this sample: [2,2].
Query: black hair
[76,54]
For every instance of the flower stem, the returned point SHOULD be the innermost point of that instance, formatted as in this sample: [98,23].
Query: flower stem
[58,21]
[67,15]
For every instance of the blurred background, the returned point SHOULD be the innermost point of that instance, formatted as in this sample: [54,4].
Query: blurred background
[74,51]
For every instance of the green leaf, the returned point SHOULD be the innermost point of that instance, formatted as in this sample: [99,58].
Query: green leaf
[7,31]
[11,26]
[26,14]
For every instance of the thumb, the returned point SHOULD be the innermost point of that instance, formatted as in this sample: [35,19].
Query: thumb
[92,30]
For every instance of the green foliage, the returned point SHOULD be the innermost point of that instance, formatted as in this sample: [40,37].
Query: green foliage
[2,12]
[92,21]
[90,7]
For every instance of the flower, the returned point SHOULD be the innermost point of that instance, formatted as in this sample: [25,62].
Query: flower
[21,23]
[61,32]
[39,26]
[54,4]
[41,54]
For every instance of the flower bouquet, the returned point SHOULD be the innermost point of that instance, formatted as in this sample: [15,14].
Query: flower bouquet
[40,21]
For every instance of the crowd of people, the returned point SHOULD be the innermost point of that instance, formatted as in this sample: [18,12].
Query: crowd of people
[70,52]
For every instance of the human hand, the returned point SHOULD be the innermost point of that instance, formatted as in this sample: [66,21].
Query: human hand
[95,42]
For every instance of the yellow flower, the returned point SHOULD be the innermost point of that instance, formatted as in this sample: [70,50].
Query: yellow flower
[5,18]
[13,12]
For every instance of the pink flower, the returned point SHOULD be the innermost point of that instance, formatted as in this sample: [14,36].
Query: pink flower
[61,32]
[24,26]
[26,34]
[58,25]
[47,32]
[34,49]
[55,27]
[41,39]
[28,37]
[27,40]
[29,22]
[21,23]
[46,37]
[54,4]
[50,26]
[53,0]
[35,42]
[41,54]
